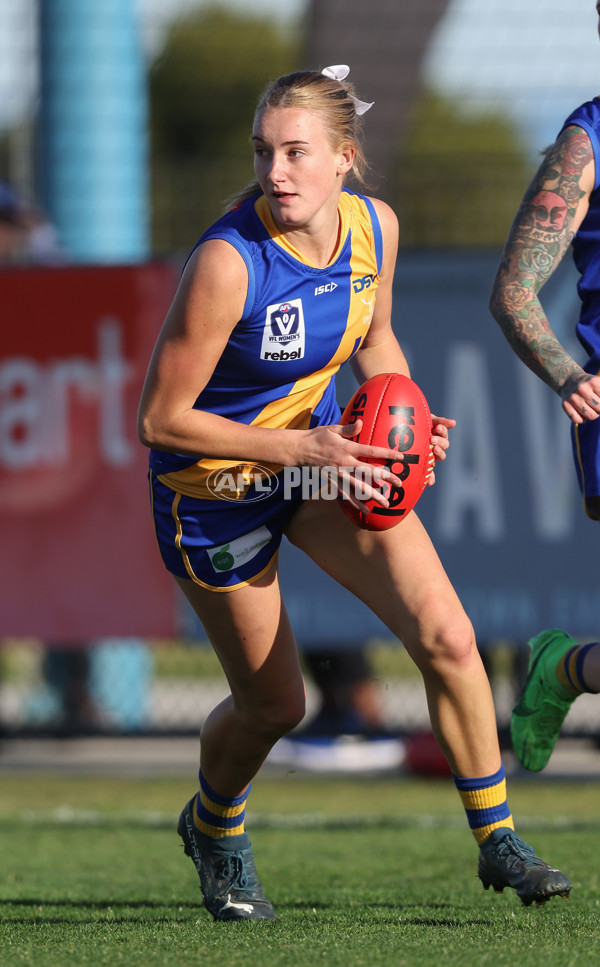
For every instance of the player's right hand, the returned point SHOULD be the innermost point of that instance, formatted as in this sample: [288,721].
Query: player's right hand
[582,403]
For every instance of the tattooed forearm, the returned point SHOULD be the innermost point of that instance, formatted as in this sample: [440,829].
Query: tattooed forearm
[541,233]
[529,334]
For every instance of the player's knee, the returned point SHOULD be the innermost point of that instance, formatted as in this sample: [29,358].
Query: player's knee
[278,722]
[448,639]
[279,716]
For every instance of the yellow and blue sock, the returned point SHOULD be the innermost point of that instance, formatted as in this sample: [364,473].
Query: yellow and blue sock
[484,799]
[569,670]
[219,816]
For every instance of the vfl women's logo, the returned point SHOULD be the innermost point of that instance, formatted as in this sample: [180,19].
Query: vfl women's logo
[283,335]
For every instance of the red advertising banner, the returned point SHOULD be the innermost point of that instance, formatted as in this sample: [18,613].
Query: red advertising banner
[78,555]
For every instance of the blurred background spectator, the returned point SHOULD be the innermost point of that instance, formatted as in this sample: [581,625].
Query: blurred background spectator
[26,235]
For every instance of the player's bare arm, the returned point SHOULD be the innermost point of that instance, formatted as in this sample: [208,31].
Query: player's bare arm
[548,218]
[206,307]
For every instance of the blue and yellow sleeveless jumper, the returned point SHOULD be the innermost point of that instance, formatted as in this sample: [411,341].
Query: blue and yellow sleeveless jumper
[299,325]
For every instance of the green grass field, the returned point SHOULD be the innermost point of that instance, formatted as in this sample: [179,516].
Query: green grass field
[361,872]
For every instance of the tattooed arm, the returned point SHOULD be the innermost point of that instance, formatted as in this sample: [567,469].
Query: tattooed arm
[550,214]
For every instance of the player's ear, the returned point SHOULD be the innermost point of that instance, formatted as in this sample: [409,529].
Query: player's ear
[346,160]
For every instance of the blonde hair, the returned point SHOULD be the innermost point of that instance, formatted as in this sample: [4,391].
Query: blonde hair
[333,99]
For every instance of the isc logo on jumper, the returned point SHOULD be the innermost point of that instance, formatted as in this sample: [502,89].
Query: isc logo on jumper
[283,335]
[327,287]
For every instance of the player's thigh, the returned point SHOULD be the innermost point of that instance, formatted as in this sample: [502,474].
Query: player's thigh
[397,572]
[251,634]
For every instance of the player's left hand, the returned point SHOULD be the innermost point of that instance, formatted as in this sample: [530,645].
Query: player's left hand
[439,441]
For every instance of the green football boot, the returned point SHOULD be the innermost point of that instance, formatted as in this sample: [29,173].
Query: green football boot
[506,860]
[541,709]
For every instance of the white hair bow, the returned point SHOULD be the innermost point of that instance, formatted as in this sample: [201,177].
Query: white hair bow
[338,72]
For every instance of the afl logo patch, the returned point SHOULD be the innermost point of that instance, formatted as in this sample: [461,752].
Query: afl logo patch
[283,334]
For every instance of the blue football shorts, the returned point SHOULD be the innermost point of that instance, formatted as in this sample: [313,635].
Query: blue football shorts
[219,544]
[585,438]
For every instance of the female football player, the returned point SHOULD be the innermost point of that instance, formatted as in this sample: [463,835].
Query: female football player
[292,282]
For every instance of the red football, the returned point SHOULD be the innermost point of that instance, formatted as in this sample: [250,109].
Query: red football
[395,415]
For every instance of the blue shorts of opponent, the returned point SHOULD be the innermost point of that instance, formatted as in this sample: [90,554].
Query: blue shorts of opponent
[585,438]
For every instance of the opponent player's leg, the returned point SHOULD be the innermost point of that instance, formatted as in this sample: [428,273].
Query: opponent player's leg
[559,671]
[251,635]
[398,574]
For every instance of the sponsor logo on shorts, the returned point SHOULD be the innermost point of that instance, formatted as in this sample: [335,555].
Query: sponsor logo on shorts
[283,334]
[246,481]
[238,551]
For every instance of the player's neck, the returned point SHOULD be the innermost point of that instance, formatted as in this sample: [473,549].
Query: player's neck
[317,244]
